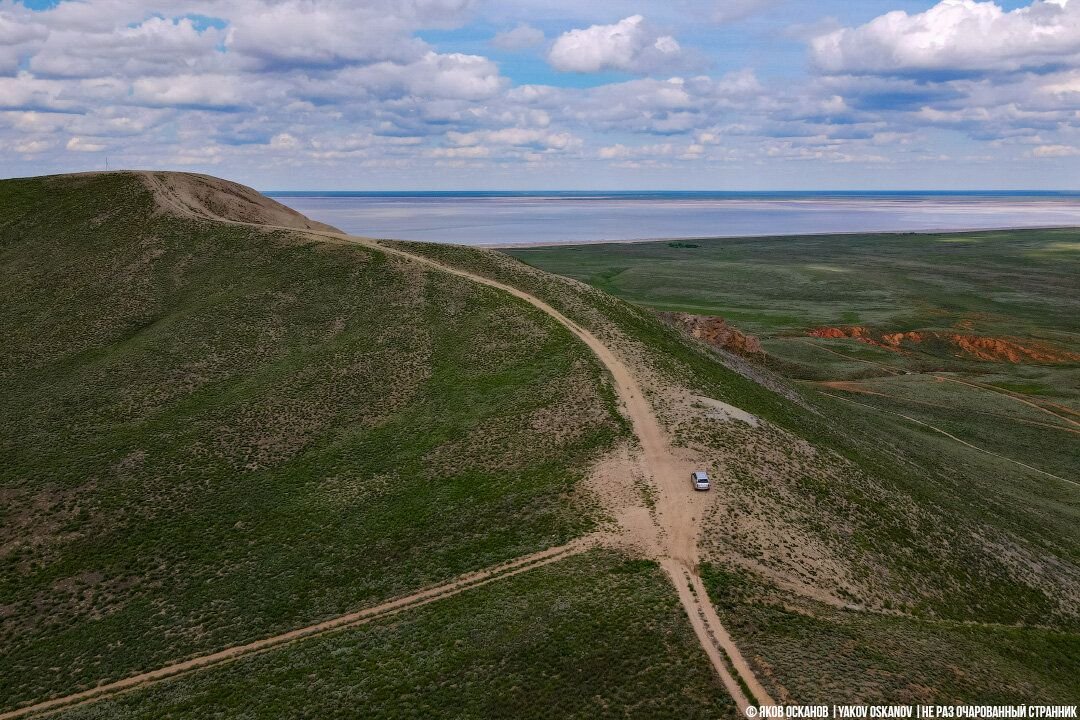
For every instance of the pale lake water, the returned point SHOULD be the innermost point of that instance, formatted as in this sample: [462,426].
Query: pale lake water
[523,218]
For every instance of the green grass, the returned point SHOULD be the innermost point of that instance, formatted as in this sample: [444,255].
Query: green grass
[905,518]
[1004,282]
[817,654]
[212,434]
[593,636]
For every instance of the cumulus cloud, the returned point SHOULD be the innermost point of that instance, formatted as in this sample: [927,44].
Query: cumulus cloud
[348,84]
[630,45]
[18,36]
[190,91]
[433,77]
[301,32]
[956,38]
[78,144]
[155,46]
[33,147]
[26,92]
[516,137]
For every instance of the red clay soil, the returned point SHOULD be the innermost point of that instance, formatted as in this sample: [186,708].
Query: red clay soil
[978,347]
[716,332]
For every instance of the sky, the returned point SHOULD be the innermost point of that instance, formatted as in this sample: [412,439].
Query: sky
[548,94]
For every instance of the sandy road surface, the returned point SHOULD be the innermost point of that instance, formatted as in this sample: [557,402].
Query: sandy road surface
[408,602]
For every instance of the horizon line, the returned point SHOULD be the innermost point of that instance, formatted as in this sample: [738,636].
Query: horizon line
[668,190]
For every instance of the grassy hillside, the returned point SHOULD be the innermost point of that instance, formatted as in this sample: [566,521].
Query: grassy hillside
[887,316]
[214,432]
[817,653]
[841,505]
[596,636]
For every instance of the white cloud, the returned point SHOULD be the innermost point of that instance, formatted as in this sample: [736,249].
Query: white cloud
[284,141]
[33,147]
[78,144]
[956,37]
[346,84]
[329,34]
[25,92]
[156,46]
[520,38]
[515,137]
[433,77]
[18,36]
[459,153]
[652,152]
[208,91]
[1062,84]
[455,75]
[1055,151]
[629,45]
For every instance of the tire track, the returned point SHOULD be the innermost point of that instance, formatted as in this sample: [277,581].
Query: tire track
[342,622]
[950,436]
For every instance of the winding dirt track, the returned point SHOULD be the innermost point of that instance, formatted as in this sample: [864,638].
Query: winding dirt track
[670,536]
[978,386]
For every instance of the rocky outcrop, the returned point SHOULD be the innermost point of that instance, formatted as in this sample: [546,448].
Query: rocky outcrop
[977,347]
[716,332]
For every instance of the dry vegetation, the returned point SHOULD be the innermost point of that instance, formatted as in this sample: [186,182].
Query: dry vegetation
[595,636]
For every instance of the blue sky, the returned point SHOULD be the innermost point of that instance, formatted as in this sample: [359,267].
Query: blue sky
[524,94]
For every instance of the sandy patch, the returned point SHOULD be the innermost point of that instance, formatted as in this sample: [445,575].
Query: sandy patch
[717,410]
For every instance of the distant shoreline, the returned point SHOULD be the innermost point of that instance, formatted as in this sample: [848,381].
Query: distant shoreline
[935,231]
[537,220]
[668,194]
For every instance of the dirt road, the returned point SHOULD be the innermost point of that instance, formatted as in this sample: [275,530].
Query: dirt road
[408,602]
[669,533]
[672,536]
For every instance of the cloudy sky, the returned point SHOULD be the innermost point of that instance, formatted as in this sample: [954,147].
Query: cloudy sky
[506,94]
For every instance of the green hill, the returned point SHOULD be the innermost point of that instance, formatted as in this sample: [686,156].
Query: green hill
[213,432]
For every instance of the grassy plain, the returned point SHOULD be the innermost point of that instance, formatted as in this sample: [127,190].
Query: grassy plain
[1013,285]
[1004,282]
[594,636]
[212,433]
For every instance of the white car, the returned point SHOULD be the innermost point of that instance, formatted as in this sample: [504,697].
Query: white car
[700,480]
